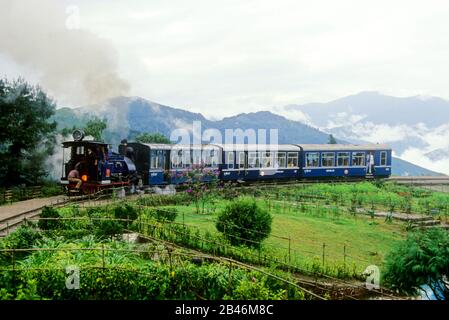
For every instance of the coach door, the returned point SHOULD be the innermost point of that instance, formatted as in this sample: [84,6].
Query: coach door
[158,166]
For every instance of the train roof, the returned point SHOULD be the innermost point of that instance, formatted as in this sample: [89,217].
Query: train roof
[259,147]
[344,147]
[267,147]
[162,146]
[82,142]
[158,146]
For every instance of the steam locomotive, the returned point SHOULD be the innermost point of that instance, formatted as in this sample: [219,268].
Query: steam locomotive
[145,165]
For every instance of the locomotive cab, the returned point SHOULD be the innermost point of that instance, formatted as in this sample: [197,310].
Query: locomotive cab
[97,167]
[90,159]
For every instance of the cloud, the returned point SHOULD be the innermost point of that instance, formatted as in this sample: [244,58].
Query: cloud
[344,119]
[417,156]
[292,114]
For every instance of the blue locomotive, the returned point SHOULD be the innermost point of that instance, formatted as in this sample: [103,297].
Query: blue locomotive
[165,164]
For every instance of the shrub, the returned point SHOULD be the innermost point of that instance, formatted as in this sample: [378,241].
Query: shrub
[422,259]
[125,211]
[107,228]
[243,222]
[49,212]
[162,214]
[22,238]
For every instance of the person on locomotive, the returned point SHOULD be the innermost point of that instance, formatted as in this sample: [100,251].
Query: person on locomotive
[74,176]
[92,164]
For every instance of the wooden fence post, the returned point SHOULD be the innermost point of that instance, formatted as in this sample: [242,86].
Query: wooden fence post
[324,248]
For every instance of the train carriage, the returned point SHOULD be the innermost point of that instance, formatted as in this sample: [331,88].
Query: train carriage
[248,162]
[162,164]
[190,162]
[341,160]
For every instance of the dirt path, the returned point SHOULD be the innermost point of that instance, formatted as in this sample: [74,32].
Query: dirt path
[8,211]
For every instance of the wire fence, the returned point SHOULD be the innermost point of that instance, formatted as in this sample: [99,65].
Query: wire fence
[166,256]
[217,247]
[290,256]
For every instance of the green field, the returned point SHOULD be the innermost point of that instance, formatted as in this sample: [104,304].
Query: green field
[359,240]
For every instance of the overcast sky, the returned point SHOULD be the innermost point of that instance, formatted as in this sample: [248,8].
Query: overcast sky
[230,56]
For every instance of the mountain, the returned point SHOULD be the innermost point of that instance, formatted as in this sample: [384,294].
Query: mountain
[417,127]
[438,154]
[128,116]
[405,168]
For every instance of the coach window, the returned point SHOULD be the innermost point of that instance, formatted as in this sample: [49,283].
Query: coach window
[312,159]
[230,160]
[207,158]
[327,159]
[343,159]
[280,159]
[241,160]
[214,155]
[196,157]
[383,158]
[253,160]
[176,159]
[358,158]
[267,161]
[186,159]
[154,159]
[292,159]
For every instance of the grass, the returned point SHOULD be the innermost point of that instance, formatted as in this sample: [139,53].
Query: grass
[363,240]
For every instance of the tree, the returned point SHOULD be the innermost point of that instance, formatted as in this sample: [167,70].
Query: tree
[95,127]
[152,138]
[422,259]
[332,140]
[243,222]
[27,136]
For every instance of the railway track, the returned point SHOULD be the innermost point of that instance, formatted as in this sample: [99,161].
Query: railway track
[12,220]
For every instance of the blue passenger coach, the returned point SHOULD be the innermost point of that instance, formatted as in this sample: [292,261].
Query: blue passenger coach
[338,160]
[259,162]
[159,164]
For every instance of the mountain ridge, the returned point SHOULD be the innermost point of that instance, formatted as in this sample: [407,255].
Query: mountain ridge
[129,116]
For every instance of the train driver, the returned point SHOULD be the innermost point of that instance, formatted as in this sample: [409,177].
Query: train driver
[74,176]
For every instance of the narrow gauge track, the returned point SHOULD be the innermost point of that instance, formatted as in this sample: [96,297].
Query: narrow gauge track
[11,222]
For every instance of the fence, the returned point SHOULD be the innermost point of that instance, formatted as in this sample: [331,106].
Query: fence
[20,193]
[165,256]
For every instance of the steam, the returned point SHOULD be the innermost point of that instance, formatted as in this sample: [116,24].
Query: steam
[72,64]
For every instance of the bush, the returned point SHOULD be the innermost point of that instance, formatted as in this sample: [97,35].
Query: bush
[125,211]
[49,212]
[23,237]
[243,222]
[107,228]
[422,259]
[161,214]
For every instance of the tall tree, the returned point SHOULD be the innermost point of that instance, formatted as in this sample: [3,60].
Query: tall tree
[332,140]
[27,136]
[152,138]
[95,127]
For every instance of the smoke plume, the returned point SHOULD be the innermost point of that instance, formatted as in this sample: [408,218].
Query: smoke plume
[72,64]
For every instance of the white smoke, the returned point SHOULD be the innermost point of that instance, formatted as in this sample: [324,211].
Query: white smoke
[72,64]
